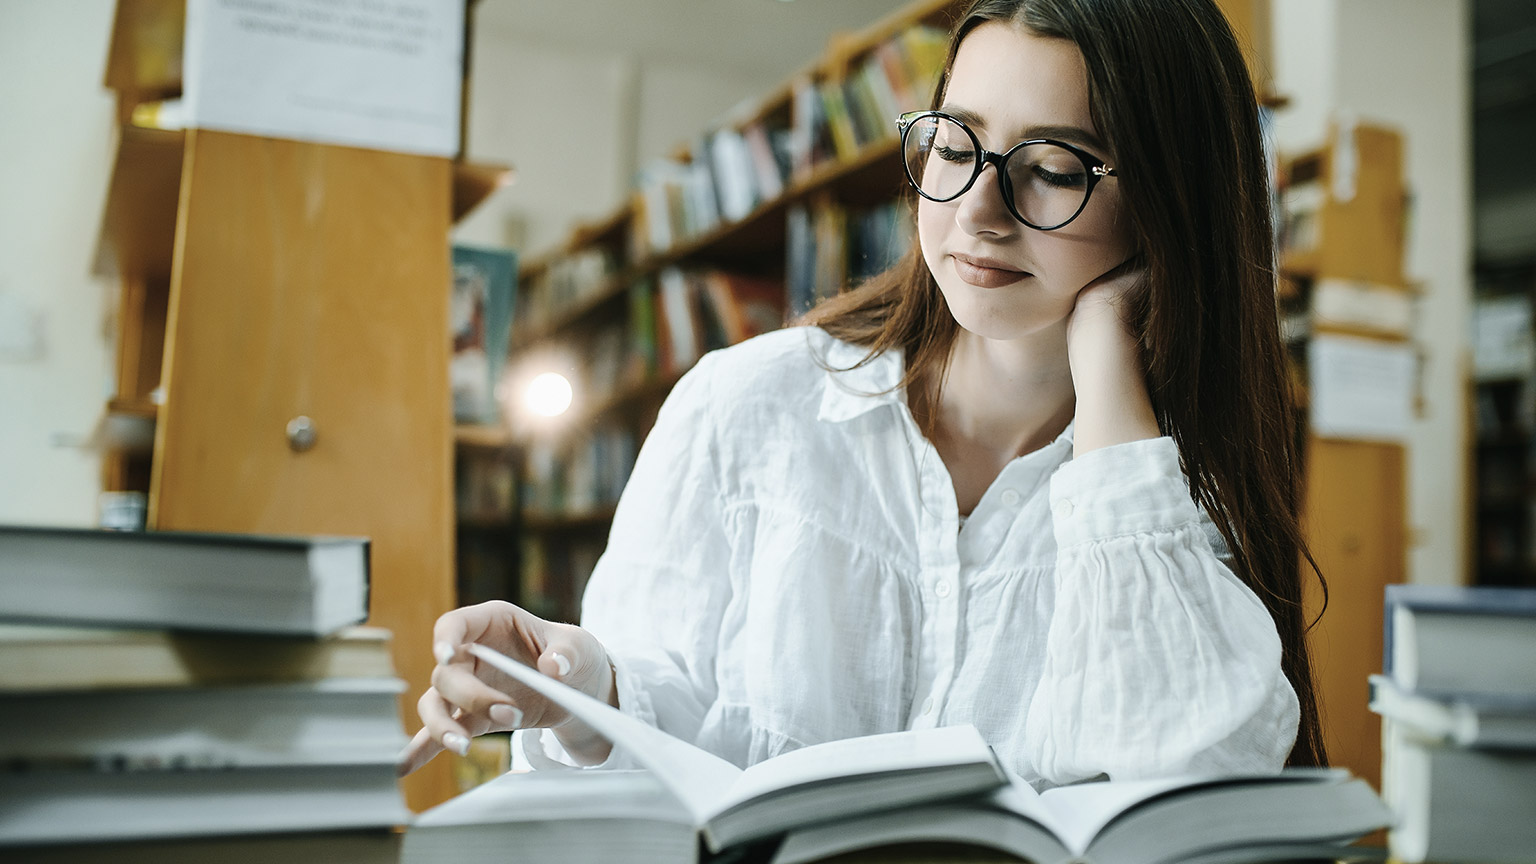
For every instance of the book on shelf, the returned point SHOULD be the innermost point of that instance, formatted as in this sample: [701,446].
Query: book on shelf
[834,106]
[746,306]
[188,580]
[1455,803]
[643,361]
[44,658]
[728,806]
[939,785]
[677,331]
[810,134]
[733,173]
[800,260]
[766,150]
[480,316]
[1463,641]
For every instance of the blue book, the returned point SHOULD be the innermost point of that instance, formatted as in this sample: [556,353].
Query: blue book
[484,289]
[1448,641]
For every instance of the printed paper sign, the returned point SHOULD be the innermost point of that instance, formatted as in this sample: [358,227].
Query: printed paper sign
[381,74]
[1361,388]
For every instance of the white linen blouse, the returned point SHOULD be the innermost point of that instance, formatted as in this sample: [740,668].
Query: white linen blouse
[788,566]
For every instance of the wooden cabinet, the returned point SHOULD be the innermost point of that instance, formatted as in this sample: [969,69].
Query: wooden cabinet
[283,326]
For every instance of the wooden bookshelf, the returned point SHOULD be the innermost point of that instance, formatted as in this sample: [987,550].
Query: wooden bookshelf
[245,304]
[482,436]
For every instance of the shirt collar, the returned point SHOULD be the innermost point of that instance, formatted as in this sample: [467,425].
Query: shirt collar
[851,390]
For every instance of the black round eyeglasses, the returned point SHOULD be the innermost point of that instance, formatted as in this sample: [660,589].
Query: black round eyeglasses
[1045,184]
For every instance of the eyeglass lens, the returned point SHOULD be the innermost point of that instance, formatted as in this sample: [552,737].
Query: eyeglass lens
[1050,183]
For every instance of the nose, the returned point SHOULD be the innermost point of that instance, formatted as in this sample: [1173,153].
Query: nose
[981,211]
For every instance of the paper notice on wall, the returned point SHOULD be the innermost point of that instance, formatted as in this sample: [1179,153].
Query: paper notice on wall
[380,74]
[1360,388]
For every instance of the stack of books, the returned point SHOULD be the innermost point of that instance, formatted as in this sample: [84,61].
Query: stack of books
[1458,702]
[177,696]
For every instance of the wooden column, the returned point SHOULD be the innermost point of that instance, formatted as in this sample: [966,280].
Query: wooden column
[312,280]
[1354,522]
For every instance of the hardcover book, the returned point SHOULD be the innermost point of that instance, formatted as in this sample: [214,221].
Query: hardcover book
[250,583]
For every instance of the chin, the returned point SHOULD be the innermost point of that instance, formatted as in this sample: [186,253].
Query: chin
[988,321]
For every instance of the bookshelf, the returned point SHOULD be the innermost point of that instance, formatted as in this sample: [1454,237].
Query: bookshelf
[248,305]
[1504,415]
[1343,212]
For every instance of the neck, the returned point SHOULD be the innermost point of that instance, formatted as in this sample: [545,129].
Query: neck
[1004,398]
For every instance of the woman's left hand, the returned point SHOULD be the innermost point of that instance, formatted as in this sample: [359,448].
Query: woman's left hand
[1113,406]
[1099,314]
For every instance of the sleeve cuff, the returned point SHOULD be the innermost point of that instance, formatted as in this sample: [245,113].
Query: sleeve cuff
[1126,489]
[545,753]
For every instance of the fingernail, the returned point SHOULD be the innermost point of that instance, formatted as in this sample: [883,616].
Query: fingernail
[562,665]
[506,715]
[456,742]
[443,652]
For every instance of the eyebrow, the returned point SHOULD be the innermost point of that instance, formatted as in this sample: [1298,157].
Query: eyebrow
[1070,134]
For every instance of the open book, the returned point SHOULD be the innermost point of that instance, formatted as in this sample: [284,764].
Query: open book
[1297,815]
[824,782]
[923,786]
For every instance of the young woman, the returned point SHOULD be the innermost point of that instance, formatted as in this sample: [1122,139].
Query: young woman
[1040,477]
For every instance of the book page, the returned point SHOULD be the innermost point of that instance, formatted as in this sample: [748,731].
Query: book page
[871,754]
[699,779]
[537,796]
[1078,814]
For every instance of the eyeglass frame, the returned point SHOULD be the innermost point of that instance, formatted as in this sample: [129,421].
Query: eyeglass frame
[1097,169]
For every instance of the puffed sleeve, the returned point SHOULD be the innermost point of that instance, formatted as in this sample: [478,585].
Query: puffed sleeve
[1159,661]
[657,594]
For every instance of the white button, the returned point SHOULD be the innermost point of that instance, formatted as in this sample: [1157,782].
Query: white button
[942,589]
[1063,508]
[928,705]
[1011,498]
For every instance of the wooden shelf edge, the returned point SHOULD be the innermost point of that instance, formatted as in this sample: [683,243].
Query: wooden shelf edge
[126,407]
[534,520]
[482,435]
[473,182]
[137,236]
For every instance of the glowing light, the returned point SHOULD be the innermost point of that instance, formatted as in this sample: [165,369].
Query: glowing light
[549,395]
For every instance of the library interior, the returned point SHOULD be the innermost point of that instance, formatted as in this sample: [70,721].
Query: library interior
[385,296]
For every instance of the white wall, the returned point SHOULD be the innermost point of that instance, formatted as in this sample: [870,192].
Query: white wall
[576,123]
[1405,64]
[576,116]
[56,145]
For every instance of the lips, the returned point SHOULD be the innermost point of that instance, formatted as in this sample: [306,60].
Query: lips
[985,272]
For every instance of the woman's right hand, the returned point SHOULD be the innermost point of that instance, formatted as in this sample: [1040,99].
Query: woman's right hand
[469,698]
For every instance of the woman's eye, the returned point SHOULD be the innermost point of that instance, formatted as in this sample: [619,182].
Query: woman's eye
[1071,179]
[951,154]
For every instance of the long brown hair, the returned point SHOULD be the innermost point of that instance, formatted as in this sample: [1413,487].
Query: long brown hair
[1168,89]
